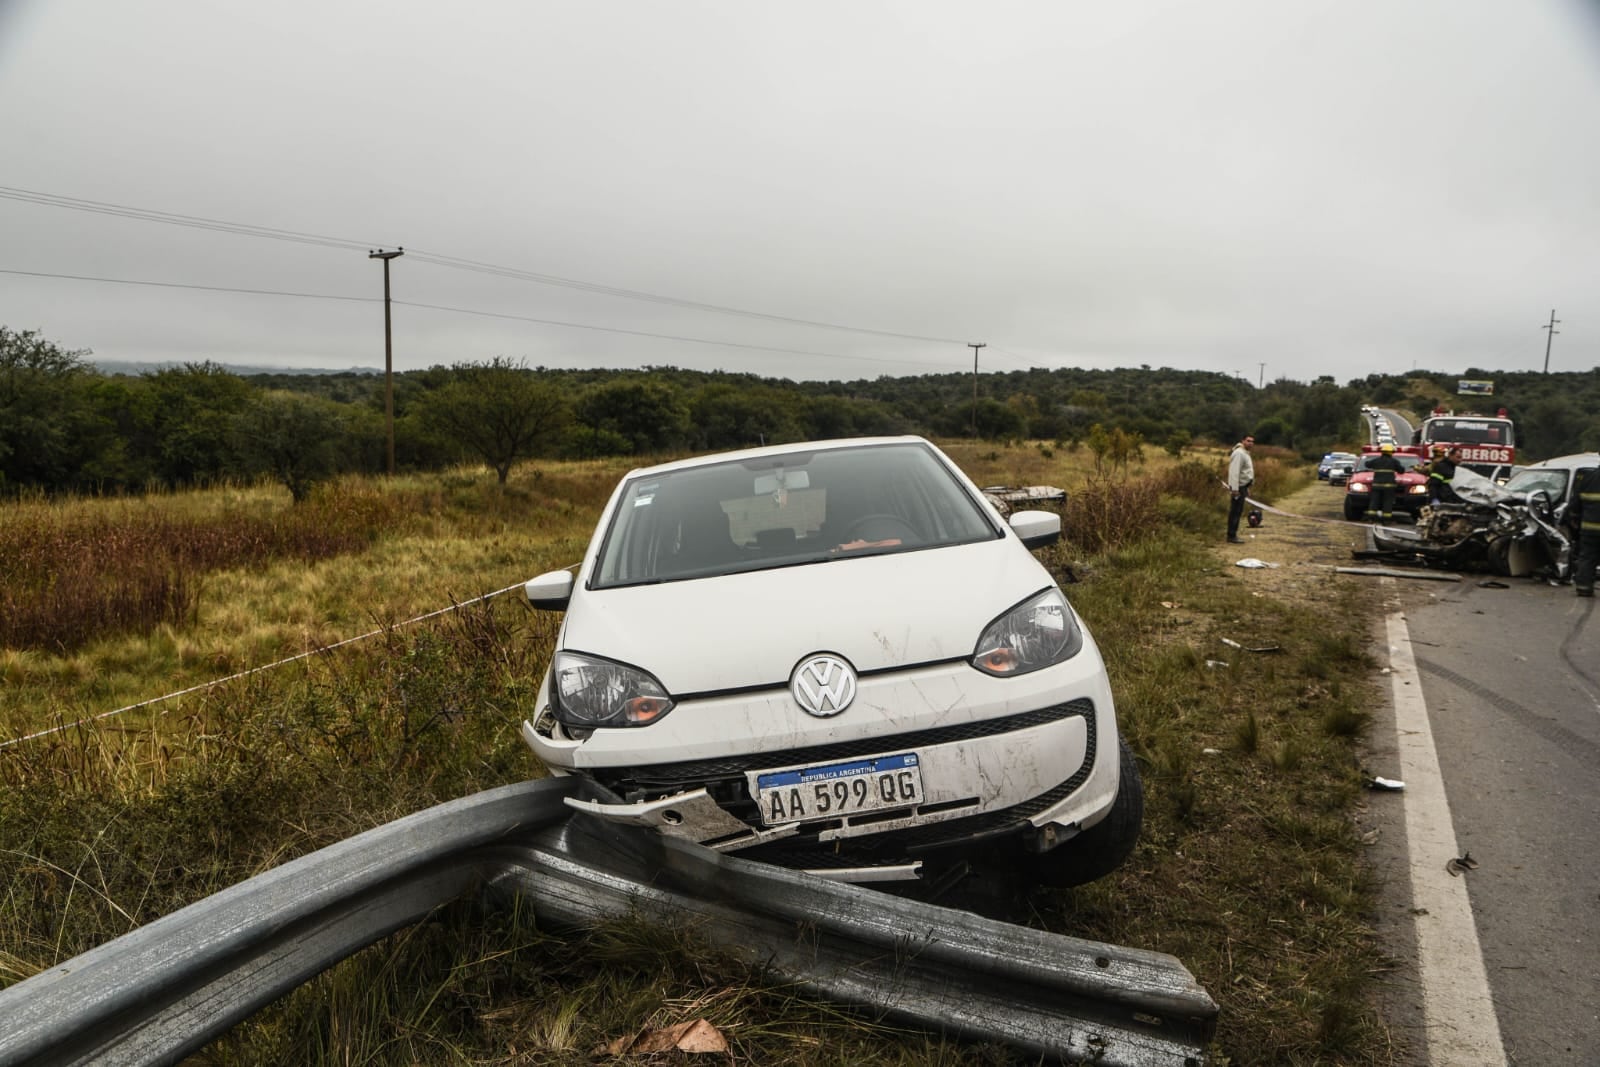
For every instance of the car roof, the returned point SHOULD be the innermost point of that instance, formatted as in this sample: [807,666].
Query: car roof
[775,451]
[1576,461]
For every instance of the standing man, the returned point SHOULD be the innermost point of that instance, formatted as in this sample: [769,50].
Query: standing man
[1385,474]
[1588,532]
[1241,472]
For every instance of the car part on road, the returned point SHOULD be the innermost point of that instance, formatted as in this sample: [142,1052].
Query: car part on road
[164,990]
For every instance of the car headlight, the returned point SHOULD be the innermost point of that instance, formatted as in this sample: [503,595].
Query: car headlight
[1417,490]
[1359,487]
[589,692]
[1036,633]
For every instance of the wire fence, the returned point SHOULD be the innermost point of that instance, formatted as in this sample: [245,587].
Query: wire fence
[253,670]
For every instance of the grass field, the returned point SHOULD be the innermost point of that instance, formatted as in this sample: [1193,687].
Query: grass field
[1249,869]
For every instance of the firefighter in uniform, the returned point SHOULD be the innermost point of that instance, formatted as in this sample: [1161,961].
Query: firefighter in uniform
[1588,532]
[1441,469]
[1385,471]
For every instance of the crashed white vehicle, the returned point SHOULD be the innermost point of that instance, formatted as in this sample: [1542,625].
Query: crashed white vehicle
[835,656]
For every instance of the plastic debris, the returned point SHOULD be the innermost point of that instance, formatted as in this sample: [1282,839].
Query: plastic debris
[1254,564]
[1386,784]
[1231,643]
[1212,751]
[1216,663]
[1463,862]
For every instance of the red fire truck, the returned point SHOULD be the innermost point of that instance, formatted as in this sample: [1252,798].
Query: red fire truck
[1484,441]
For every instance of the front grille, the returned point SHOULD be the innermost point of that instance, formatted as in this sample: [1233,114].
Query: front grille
[724,779]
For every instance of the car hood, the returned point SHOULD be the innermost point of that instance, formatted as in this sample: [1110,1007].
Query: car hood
[753,629]
[1402,478]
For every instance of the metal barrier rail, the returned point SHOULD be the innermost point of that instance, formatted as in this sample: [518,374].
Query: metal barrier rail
[166,989]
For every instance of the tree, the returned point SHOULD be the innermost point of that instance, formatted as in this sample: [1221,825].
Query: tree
[499,410]
[189,421]
[729,416]
[292,437]
[637,414]
[48,427]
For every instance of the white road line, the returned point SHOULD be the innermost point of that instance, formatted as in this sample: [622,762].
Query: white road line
[1461,1026]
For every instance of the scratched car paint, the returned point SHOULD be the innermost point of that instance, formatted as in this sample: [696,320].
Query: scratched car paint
[837,656]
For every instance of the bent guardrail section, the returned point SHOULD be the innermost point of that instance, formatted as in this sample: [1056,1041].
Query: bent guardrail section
[944,970]
[166,989]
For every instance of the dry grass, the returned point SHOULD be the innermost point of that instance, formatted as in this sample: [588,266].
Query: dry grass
[1248,871]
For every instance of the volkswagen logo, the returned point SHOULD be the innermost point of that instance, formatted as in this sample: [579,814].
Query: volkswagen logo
[823,685]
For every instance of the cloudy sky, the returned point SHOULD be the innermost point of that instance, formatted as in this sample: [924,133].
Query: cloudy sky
[823,189]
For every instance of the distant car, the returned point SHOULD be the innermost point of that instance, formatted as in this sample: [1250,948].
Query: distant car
[1332,458]
[1340,472]
[1410,491]
[837,657]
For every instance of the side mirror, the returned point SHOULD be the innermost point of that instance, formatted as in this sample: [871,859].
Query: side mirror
[1038,529]
[550,592]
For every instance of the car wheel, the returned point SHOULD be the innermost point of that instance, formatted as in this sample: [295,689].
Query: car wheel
[1498,552]
[1103,847]
[1354,510]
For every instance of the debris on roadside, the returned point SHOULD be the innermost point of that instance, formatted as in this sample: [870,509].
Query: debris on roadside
[696,1036]
[1390,572]
[1463,862]
[1252,563]
[1388,785]
[1250,648]
[1007,498]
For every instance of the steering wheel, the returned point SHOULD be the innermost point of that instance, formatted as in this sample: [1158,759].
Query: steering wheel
[881,526]
[1540,504]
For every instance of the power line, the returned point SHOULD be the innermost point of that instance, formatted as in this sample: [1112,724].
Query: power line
[170,218]
[182,285]
[476,312]
[664,336]
[656,298]
[244,229]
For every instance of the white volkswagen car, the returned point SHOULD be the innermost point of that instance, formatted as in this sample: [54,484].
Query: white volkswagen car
[835,656]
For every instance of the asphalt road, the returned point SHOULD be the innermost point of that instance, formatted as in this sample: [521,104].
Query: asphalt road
[1511,680]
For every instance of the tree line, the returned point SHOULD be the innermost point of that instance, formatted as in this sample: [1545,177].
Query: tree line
[66,426]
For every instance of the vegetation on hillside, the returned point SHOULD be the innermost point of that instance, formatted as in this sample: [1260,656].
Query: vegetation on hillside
[66,427]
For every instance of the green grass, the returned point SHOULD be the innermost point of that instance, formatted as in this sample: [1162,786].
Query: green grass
[1248,871]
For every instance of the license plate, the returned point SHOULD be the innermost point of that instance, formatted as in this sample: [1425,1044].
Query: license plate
[839,789]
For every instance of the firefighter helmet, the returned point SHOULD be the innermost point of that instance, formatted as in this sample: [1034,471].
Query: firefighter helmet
[1386,448]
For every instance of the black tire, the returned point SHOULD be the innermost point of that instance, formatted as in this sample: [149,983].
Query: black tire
[1498,552]
[1103,847]
[1354,510]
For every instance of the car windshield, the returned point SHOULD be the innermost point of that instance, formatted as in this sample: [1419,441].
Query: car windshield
[1468,432]
[1552,482]
[785,510]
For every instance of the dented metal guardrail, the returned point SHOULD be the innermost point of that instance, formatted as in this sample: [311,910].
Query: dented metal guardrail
[166,989]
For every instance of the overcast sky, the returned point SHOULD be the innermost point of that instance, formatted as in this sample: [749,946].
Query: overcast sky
[810,190]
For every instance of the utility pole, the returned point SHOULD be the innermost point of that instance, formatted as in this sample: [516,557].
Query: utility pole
[1549,337]
[975,347]
[388,350]
[1262,384]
